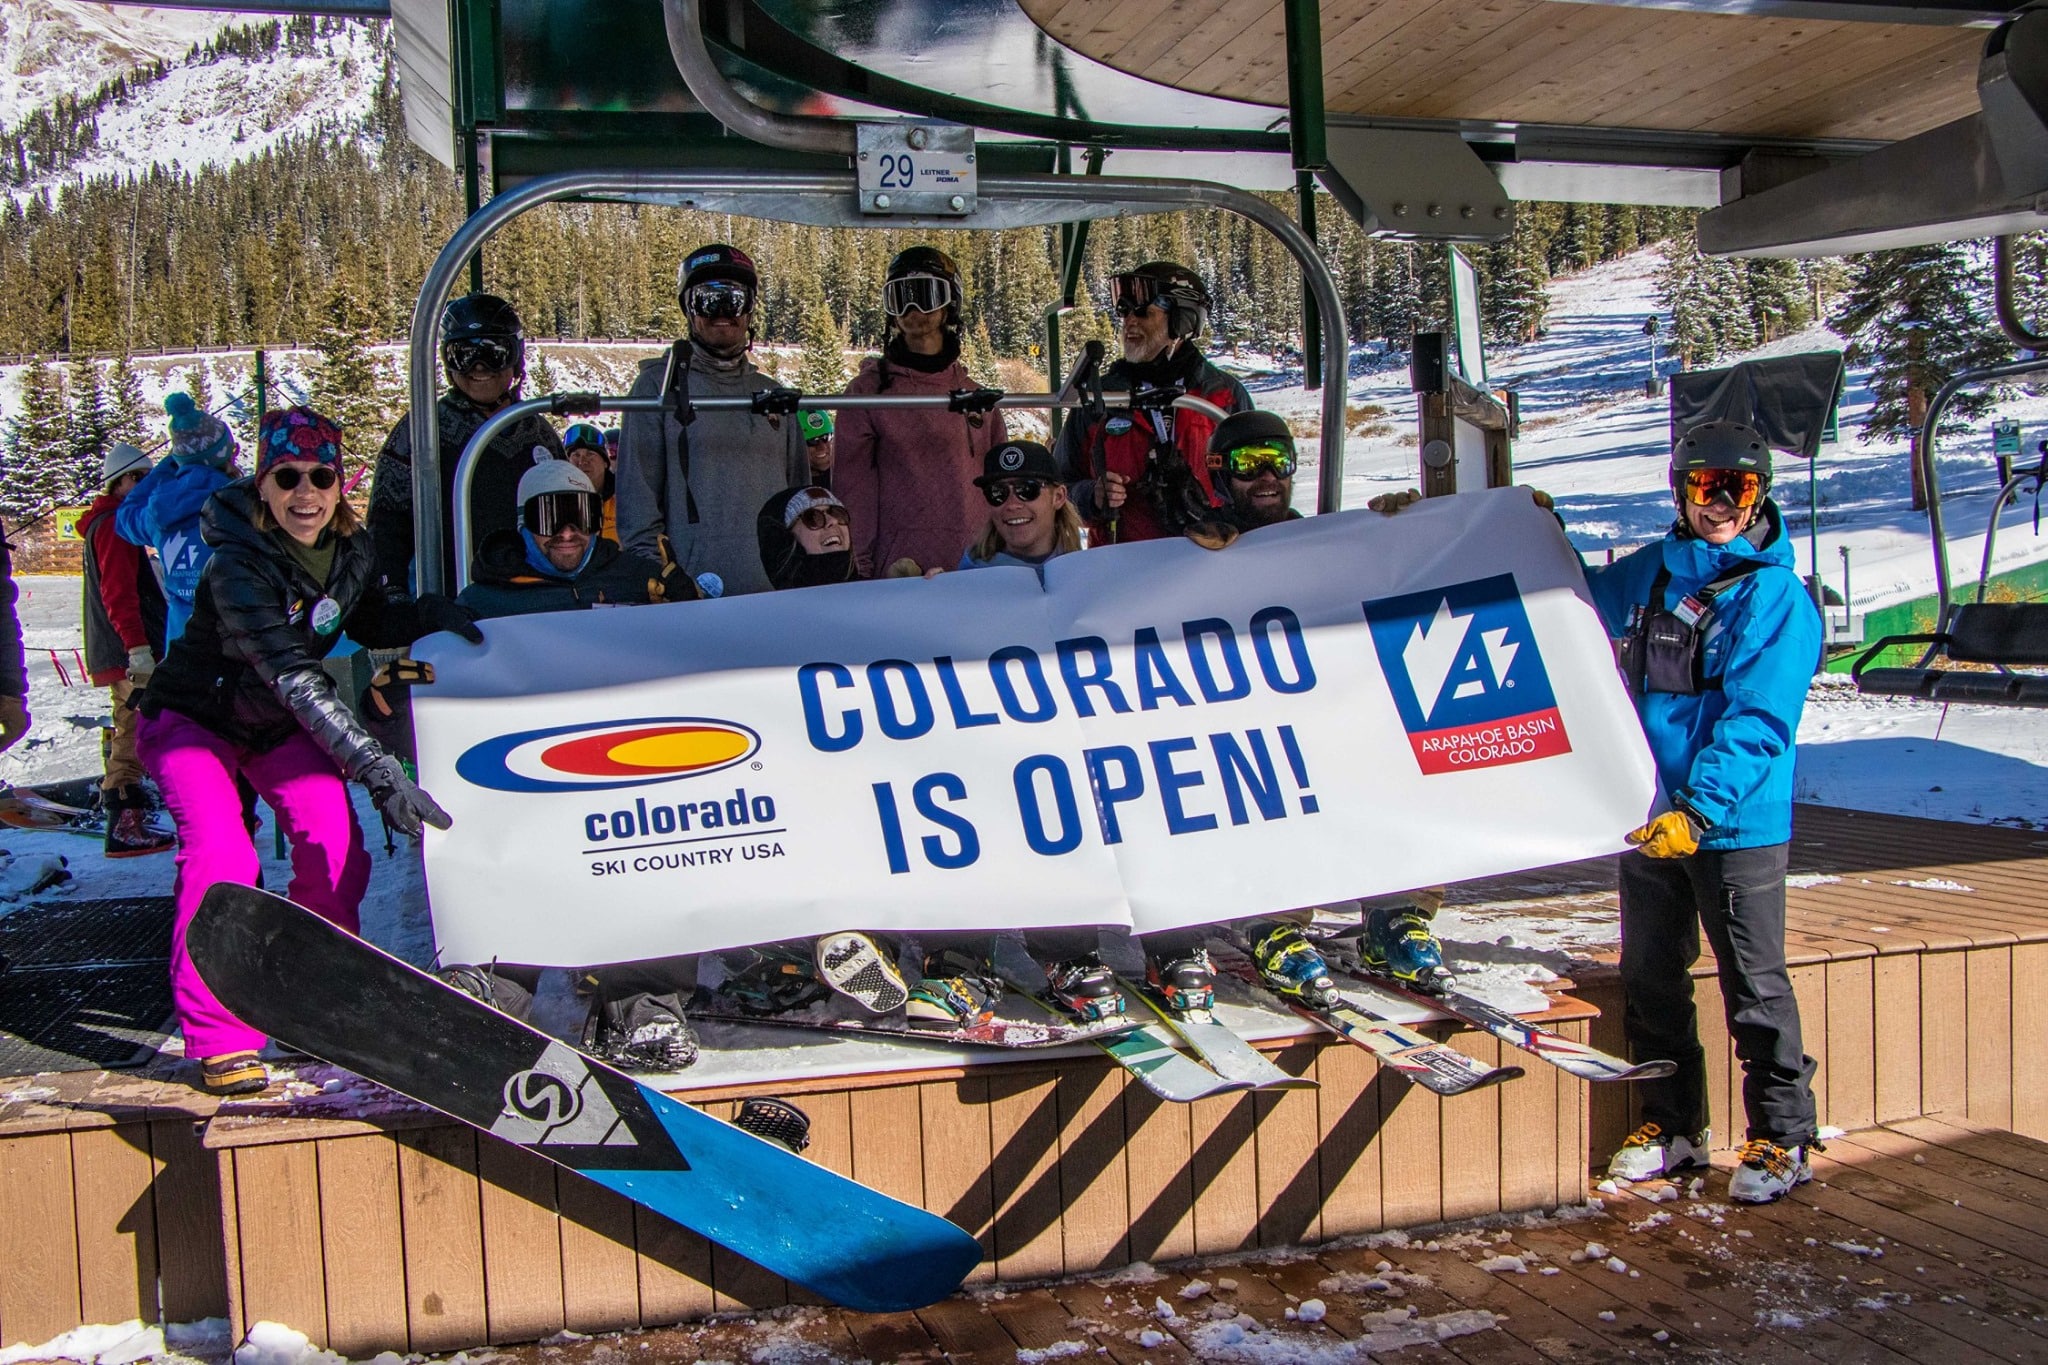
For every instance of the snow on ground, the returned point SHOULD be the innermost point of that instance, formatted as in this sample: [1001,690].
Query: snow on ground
[50,48]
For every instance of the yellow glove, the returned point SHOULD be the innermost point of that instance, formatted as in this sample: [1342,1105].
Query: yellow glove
[1542,498]
[1386,504]
[1670,835]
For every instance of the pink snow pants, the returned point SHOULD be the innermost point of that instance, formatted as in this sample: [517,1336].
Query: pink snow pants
[195,769]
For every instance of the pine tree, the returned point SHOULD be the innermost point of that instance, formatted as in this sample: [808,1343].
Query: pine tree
[91,422]
[197,384]
[127,410]
[540,376]
[37,474]
[1918,317]
[979,356]
[821,364]
[348,384]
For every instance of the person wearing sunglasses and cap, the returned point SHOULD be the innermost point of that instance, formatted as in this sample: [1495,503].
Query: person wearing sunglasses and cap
[483,356]
[588,446]
[242,694]
[906,474]
[1029,518]
[820,451]
[1145,473]
[1718,639]
[124,639]
[690,492]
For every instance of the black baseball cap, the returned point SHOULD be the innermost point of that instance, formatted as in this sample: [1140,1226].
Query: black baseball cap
[1019,460]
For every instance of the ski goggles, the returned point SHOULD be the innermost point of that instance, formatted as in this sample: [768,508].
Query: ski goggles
[481,355]
[1026,490]
[1738,488]
[818,518]
[1130,294]
[554,512]
[584,436]
[286,478]
[916,294]
[1247,462]
[719,299]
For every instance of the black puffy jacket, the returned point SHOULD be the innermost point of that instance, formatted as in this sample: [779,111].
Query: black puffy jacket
[248,665]
[503,583]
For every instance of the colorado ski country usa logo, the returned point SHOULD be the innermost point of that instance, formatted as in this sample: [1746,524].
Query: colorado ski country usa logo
[1466,676]
[626,753]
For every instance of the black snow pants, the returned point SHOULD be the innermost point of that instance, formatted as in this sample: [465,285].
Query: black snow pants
[1739,896]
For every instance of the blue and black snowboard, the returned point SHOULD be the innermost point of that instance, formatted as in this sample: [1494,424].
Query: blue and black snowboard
[328,993]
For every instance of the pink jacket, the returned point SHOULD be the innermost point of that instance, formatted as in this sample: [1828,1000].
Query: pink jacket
[906,475]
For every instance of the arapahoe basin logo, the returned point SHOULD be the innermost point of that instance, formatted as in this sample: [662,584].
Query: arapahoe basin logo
[625,753]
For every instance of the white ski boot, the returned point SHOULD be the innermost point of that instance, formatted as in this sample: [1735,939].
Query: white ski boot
[1651,1153]
[863,970]
[1768,1172]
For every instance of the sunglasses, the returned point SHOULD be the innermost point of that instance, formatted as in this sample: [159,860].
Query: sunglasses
[1246,463]
[1130,294]
[481,355]
[916,294]
[998,493]
[287,478]
[818,518]
[719,299]
[1739,488]
[553,512]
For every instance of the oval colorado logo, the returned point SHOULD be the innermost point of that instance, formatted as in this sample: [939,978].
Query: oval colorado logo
[626,753]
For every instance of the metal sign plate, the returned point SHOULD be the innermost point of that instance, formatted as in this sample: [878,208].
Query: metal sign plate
[919,168]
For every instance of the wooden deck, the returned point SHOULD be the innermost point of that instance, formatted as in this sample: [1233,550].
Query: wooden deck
[1920,1241]
[1921,958]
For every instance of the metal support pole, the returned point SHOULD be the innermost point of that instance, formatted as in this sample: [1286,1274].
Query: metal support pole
[1099,196]
[472,200]
[1930,478]
[1820,598]
[1073,248]
[1311,321]
[1305,85]
[2009,319]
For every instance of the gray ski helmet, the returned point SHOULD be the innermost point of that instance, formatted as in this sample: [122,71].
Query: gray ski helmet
[927,260]
[1179,288]
[1720,444]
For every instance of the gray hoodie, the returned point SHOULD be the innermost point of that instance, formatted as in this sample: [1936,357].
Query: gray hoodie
[737,459]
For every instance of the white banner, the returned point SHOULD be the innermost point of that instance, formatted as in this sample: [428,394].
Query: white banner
[1160,736]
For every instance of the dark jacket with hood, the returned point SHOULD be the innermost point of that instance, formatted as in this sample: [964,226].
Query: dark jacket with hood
[505,582]
[248,665]
[785,562]
[124,604]
[493,493]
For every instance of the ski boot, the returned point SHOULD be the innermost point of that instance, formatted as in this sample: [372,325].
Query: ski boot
[129,833]
[777,980]
[1291,967]
[498,990]
[1651,1153]
[1397,943]
[958,990]
[1767,1172]
[1185,984]
[863,969]
[233,1073]
[640,1032]
[1085,988]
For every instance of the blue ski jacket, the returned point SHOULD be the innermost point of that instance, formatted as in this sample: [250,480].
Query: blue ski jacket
[1726,754]
[162,513]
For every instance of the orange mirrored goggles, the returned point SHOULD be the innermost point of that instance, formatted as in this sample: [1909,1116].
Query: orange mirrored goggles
[1739,488]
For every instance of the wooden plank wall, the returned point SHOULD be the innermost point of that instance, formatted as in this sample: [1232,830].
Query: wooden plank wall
[435,1239]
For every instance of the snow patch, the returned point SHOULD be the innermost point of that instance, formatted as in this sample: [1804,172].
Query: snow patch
[1512,1265]
[1936,884]
[273,1343]
[1059,1350]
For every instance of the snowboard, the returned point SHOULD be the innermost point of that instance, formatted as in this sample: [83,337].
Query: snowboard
[314,987]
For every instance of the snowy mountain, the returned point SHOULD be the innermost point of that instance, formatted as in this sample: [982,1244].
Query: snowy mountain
[52,48]
[206,110]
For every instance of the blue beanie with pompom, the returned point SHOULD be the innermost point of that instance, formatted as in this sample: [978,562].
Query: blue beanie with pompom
[197,437]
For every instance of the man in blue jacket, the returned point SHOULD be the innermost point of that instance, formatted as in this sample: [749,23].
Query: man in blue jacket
[1719,640]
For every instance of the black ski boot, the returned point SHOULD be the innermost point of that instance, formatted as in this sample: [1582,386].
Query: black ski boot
[1085,988]
[777,979]
[1185,983]
[129,833]
[640,1032]
[499,989]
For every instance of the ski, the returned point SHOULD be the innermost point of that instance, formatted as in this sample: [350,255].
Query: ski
[1218,1045]
[1573,1058]
[1149,1053]
[1435,1066]
[328,993]
[999,1033]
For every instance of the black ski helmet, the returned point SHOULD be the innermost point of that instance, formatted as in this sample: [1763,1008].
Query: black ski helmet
[717,261]
[928,260]
[1181,289]
[483,317]
[1720,444]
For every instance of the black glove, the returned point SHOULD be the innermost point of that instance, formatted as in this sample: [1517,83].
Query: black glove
[435,612]
[405,807]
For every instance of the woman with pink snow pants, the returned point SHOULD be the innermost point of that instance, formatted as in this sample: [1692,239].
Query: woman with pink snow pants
[242,691]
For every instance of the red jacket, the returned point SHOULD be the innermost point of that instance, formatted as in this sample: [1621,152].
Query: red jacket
[119,572]
[1127,437]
